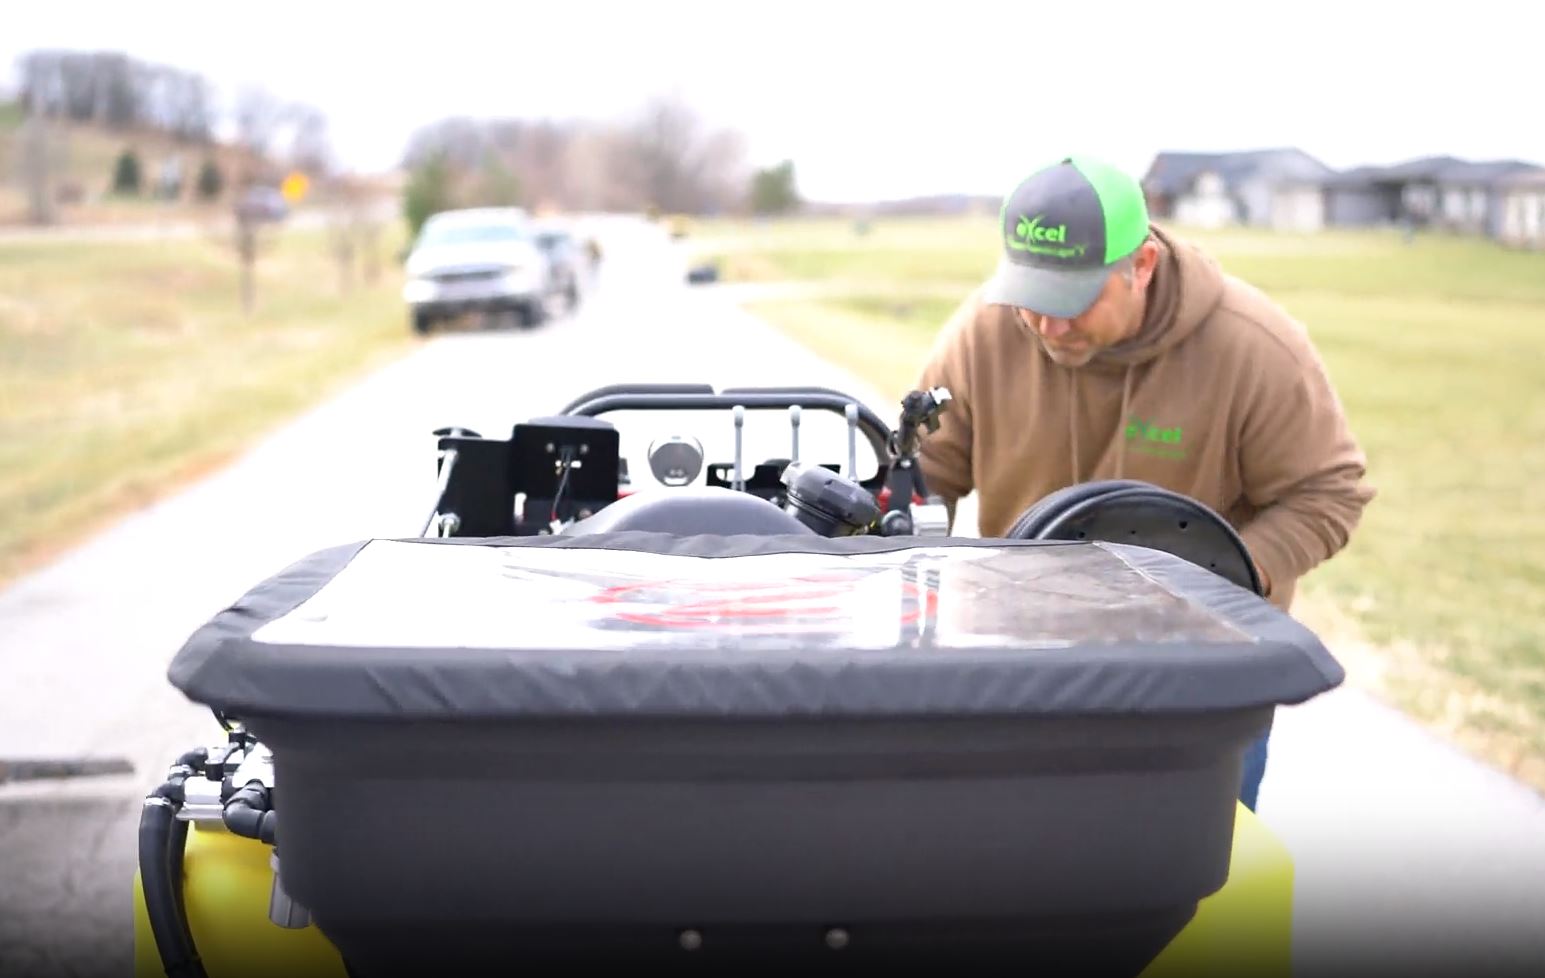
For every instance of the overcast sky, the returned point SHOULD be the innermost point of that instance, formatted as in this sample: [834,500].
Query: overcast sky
[871,99]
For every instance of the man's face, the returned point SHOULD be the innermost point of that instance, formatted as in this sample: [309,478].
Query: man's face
[1114,317]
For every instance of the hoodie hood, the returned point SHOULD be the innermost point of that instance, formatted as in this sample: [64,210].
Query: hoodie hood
[1185,290]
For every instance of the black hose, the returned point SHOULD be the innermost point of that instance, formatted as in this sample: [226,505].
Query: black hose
[249,812]
[161,839]
[191,762]
[194,758]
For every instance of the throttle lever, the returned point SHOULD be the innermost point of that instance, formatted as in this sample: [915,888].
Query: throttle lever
[851,411]
[739,485]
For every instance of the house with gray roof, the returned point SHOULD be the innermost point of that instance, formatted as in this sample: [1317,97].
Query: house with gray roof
[1428,192]
[1221,189]
[1470,195]
[1522,209]
[1370,196]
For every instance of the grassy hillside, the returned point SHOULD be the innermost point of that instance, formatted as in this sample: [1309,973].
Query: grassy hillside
[84,160]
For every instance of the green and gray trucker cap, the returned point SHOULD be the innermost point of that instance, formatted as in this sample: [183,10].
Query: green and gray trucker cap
[1063,227]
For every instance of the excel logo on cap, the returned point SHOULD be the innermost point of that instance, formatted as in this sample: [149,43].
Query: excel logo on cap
[1031,234]
[1063,227]
[1078,212]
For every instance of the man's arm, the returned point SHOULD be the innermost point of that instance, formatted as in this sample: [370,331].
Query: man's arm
[1302,467]
[945,454]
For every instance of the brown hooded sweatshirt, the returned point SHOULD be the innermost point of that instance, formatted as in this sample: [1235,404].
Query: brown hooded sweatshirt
[1220,396]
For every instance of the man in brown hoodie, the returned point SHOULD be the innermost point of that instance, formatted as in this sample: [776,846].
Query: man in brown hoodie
[1139,358]
[1104,347]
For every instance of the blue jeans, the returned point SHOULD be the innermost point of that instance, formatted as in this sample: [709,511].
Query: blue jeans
[1254,771]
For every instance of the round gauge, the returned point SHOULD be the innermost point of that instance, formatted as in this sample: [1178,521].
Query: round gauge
[676,460]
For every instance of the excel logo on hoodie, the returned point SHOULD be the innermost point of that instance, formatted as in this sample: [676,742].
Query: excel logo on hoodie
[1033,236]
[1150,439]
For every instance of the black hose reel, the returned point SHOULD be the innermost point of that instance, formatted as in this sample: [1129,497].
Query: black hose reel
[1145,515]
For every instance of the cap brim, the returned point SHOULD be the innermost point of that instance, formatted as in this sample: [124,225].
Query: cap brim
[1061,293]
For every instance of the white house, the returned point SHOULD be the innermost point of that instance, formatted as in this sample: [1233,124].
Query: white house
[1218,189]
[1298,207]
[1523,210]
[1207,204]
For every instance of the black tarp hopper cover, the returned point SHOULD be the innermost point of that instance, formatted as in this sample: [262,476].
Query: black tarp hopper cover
[636,733]
[651,624]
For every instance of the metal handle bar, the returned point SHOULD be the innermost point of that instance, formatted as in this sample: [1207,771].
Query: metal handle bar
[636,389]
[807,398]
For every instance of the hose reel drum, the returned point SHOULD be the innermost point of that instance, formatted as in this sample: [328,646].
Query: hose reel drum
[1142,514]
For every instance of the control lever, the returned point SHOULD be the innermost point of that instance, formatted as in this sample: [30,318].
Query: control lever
[794,425]
[739,485]
[920,411]
[852,415]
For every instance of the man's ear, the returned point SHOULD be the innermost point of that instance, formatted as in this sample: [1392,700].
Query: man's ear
[1145,261]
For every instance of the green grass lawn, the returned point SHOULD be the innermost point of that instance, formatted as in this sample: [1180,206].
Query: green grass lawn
[126,368]
[1438,351]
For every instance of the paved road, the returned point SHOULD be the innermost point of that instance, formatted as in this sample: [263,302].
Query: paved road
[1406,851]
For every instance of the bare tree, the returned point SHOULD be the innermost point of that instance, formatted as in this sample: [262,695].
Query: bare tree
[187,107]
[584,165]
[310,145]
[724,171]
[111,89]
[259,116]
[539,164]
[344,227]
[36,82]
[246,259]
[664,139]
[664,155]
[39,159]
[682,163]
[459,142]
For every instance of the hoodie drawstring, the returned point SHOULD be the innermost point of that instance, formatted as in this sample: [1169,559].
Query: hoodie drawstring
[1073,424]
[1121,423]
[1121,440]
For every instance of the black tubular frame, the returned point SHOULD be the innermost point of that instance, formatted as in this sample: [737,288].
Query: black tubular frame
[700,397]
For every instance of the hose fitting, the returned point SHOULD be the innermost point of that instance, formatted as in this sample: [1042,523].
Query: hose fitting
[249,812]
